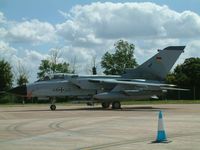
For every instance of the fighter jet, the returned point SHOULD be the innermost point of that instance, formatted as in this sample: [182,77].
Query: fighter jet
[143,82]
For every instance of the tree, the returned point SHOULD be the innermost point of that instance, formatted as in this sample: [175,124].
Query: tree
[94,68]
[6,76]
[49,66]
[44,68]
[186,74]
[123,58]
[21,74]
[22,79]
[73,66]
[54,56]
[62,68]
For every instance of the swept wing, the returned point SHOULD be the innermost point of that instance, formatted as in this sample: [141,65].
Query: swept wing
[130,82]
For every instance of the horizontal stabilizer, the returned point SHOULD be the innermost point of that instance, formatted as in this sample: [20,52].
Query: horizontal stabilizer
[174,89]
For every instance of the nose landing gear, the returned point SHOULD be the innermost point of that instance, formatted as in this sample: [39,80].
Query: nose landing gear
[53,107]
[53,101]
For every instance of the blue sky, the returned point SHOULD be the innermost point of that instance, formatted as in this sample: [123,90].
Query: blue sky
[31,29]
[47,10]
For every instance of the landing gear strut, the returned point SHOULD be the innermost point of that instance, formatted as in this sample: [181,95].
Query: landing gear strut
[53,101]
[116,105]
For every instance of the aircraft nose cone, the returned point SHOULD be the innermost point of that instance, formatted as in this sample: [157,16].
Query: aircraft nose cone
[19,90]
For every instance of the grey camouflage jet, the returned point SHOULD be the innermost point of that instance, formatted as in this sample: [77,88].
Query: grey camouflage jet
[142,82]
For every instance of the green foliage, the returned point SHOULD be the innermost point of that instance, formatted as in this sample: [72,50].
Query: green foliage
[62,67]
[6,76]
[44,68]
[48,67]
[123,58]
[22,79]
[186,74]
[94,70]
[7,98]
[21,74]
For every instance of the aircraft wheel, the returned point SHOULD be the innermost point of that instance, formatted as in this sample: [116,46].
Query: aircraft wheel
[116,105]
[105,105]
[53,107]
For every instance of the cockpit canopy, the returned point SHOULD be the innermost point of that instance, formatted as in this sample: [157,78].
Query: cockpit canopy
[58,76]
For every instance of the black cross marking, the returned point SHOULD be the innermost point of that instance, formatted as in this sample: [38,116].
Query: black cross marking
[61,89]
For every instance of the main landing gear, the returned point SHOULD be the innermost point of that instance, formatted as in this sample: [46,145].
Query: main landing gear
[115,105]
[53,101]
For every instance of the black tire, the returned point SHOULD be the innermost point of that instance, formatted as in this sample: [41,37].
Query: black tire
[105,104]
[116,105]
[53,107]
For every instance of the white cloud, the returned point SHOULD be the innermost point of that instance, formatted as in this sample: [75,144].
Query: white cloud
[2,18]
[31,61]
[68,30]
[129,20]
[183,25]
[82,57]
[34,56]
[3,32]
[6,51]
[147,48]
[191,50]
[30,58]
[149,26]
[32,31]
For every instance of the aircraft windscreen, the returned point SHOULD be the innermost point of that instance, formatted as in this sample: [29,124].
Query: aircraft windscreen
[58,76]
[74,76]
[52,77]
[46,78]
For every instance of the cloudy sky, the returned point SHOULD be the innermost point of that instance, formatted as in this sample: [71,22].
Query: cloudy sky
[30,29]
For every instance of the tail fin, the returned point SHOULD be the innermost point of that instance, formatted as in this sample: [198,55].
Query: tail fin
[158,66]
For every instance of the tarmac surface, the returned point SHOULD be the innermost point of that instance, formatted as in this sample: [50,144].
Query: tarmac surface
[79,127]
